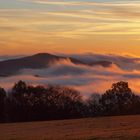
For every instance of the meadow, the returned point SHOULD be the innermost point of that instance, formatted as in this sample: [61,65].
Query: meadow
[100,128]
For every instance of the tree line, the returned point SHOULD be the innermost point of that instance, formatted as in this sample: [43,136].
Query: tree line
[36,103]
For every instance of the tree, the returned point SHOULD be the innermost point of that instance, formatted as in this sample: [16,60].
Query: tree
[20,87]
[36,103]
[94,106]
[64,102]
[17,103]
[117,99]
[2,104]
[28,103]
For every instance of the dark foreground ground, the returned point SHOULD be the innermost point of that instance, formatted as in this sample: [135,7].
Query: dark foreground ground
[104,128]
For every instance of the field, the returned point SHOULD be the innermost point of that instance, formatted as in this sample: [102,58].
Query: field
[103,128]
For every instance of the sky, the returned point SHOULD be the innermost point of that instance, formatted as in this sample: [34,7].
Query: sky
[70,26]
[96,29]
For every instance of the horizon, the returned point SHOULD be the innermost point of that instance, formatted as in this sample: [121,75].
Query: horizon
[69,54]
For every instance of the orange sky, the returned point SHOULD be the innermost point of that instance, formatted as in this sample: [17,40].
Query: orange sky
[104,26]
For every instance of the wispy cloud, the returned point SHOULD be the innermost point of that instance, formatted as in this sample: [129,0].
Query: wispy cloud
[88,3]
[56,22]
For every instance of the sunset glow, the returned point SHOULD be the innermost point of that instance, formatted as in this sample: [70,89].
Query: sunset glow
[97,30]
[64,26]
[69,59]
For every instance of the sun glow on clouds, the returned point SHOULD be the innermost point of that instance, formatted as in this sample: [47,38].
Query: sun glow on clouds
[63,26]
[103,26]
[86,79]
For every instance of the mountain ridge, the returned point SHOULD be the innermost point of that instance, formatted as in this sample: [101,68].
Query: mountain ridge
[38,61]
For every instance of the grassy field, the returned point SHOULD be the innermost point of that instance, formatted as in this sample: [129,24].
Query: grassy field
[104,128]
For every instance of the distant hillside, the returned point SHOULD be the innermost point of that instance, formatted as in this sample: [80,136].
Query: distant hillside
[39,61]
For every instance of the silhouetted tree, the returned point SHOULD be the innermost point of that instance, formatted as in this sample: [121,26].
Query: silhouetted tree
[117,99]
[20,87]
[17,102]
[2,104]
[32,103]
[64,102]
[94,106]
[42,103]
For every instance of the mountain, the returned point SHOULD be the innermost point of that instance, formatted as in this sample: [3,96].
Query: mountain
[93,60]
[101,63]
[38,61]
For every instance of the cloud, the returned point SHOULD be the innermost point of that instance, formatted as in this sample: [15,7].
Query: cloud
[129,63]
[55,22]
[111,18]
[86,79]
[80,2]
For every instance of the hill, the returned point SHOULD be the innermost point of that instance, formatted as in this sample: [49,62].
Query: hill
[39,61]
[103,128]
